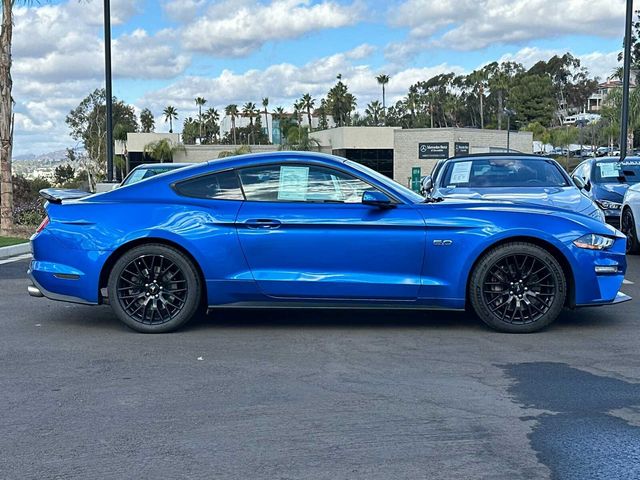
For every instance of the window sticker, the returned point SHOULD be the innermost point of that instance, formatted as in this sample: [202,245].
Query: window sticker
[461,172]
[609,170]
[137,176]
[294,183]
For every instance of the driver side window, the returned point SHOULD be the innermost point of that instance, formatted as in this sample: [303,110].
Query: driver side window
[301,183]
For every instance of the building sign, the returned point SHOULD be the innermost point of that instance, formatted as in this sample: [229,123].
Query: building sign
[416,175]
[461,148]
[435,150]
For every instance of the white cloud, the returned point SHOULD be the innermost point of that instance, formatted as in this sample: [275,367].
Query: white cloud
[236,28]
[599,64]
[58,58]
[182,10]
[284,83]
[474,25]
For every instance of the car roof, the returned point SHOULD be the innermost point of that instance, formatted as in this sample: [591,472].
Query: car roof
[163,165]
[630,158]
[498,155]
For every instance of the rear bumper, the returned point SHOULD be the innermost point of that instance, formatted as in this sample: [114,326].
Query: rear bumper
[37,290]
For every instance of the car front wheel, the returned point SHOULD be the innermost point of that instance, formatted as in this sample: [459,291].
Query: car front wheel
[518,287]
[628,227]
[154,288]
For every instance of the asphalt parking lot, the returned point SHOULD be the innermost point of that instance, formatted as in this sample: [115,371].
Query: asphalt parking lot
[316,395]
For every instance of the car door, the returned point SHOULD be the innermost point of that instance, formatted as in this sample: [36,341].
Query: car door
[306,234]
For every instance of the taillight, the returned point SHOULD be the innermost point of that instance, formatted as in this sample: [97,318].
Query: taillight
[42,225]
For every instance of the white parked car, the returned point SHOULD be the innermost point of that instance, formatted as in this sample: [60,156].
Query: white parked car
[630,216]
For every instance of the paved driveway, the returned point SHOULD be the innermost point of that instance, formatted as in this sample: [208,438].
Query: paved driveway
[317,395]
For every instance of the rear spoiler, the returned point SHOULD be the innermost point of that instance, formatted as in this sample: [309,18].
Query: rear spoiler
[57,195]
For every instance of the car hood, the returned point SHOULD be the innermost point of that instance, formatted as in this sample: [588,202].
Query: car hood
[611,191]
[565,198]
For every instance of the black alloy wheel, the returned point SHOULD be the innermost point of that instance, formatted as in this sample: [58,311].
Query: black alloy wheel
[628,227]
[518,287]
[154,288]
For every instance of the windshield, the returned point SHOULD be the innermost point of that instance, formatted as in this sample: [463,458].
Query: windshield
[142,173]
[386,181]
[503,172]
[616,172]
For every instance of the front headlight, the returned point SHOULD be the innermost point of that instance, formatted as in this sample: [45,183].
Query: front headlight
[608,205]
[593,241]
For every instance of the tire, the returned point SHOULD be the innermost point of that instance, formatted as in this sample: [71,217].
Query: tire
[628,227]
[518,287]
[154,288]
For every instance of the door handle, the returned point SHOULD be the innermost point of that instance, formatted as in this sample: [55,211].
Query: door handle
[262,223]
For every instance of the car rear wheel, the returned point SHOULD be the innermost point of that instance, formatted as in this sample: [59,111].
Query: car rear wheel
[518,287]
[628,227]
[154,288]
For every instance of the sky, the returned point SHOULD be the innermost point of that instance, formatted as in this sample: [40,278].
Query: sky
[168,52]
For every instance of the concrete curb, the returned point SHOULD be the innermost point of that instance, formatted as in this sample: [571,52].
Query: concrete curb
[13,250]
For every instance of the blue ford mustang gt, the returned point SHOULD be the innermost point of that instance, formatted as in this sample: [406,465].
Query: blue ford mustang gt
[290,229]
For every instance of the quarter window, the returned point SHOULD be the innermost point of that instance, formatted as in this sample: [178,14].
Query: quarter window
[218,186]
[301,183]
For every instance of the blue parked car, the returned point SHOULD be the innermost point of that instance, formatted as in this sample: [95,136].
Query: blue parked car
[515,177]
[606,180]
[290,229]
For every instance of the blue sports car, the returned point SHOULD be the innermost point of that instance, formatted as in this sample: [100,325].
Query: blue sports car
[519,177]
[606,180]
[290,229]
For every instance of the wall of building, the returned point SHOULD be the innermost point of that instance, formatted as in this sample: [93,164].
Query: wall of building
[204,153]
[406,144]
[347,138]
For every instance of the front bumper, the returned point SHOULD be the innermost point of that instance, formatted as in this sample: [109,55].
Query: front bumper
[592,285]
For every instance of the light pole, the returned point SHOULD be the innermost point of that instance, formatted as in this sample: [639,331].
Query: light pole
[108,91]
[625,81]
[509,113]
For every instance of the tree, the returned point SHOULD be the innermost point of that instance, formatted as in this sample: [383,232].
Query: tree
[383,80]
[200,101]
[341,103]
[211,118]
[249,110]
[322,112]
[298,139]
[190,131]
[265,104]
[374,110]
[87,123]
[6,118]
[532,98]
[307,102]
[170,114]
[163,150]
[231,110]
[147,121]
[63,174]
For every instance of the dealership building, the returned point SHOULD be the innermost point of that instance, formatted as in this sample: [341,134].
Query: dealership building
[402,154]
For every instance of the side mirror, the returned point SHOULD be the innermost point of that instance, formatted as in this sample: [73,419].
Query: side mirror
[376,198]
[579,181]
[427,185]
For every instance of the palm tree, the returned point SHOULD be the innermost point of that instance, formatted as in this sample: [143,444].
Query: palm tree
[265,104]
[200,101]
[231,110]
[279,113]
[163,150]
[373,110]
[249,110]
[383,80]
[297,112]
[211,117]
[307,102]
[147,121]
[170,114]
